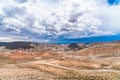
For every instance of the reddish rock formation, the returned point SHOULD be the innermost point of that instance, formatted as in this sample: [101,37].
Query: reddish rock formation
[109,49]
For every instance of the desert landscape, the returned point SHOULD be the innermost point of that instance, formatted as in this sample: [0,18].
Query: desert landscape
[34,61]
[59,39]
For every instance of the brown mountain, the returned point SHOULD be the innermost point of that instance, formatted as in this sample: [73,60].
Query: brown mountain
[77,49]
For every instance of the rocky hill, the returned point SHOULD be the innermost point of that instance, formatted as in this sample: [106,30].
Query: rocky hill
[38,47]
[80,49]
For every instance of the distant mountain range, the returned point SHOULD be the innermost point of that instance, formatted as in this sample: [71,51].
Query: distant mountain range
[62,44]
[39,46]
[58,47]
[31,49]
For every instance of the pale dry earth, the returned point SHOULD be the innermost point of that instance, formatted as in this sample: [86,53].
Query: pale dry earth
[93,62]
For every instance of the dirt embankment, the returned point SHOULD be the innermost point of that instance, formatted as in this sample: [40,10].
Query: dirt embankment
[111,49]
[21,54]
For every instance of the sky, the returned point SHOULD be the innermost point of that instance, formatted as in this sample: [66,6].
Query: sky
[46,21]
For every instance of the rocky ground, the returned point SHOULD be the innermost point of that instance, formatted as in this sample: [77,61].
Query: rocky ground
[71,62]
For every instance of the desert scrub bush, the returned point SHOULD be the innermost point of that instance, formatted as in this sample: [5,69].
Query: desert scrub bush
[89,76]
[75,76]
[116,67]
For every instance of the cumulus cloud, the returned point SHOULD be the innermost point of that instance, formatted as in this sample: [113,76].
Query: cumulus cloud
[3,39]
[8,38]
[69,18]
[109,15]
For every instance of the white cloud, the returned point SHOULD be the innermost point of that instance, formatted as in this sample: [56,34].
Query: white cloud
[5,39]
[10,39]
[110,16]
[74,18]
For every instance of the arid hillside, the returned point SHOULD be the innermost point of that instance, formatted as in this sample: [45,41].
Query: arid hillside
[33,61]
